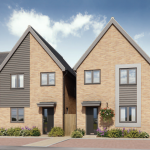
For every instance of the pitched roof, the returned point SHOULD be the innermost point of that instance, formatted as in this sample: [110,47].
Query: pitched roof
[3,56]
[123,32]
[46,46]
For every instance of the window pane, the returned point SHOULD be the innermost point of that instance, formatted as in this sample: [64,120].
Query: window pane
[132,113]
[20,111]
[20,81]
[95,118]
[123,115]
[21,118]
[123,76]
[132,76]
[13,114]
[44,79]
[52,78]
[14,81]
[96,76]
[88,76]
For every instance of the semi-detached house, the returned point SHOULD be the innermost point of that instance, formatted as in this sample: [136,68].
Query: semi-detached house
[114,72]
[37,86]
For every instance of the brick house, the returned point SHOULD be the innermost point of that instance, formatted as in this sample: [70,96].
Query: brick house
[113,72]
[37,86]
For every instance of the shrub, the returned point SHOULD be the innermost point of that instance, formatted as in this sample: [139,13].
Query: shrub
[76,134]
[10,132]
[82,131]
[102,133]
[133,134]
[35,132]
[3,132]
[25,132]
[17,131]
[115,133]
[56,131]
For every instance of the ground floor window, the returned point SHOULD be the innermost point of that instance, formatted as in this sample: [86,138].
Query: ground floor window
[128,114]
[17,115]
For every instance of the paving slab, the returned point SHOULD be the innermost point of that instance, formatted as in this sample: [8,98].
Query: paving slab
[48,142]
[105,143]
[13,141]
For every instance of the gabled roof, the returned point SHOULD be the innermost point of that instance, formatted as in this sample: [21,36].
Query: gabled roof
[58,59]
[123,32]
[3,55]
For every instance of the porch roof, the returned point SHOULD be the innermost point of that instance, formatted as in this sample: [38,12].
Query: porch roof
[91,103]
[46,104]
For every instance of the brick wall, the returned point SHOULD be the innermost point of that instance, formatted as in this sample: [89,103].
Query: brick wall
[111,50]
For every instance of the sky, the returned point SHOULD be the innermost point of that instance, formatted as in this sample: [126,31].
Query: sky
[71,26]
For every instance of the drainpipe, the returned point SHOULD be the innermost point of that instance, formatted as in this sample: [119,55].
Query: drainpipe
[64,96]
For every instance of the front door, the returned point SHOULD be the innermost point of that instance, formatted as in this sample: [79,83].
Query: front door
[48,119]
[91,120]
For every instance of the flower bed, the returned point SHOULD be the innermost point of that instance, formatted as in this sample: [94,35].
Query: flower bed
[18,131]
[122,133]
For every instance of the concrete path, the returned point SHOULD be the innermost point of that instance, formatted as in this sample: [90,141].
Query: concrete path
[48,142]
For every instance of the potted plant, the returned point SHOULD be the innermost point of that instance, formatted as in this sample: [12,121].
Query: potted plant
[107,113]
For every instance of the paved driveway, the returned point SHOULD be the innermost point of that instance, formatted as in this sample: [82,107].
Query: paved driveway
[18,141]
[106,143]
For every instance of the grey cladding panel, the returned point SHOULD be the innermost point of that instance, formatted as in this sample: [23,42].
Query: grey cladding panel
[127,95]
[18,63]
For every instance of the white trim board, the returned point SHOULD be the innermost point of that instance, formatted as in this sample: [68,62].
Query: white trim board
[117,67]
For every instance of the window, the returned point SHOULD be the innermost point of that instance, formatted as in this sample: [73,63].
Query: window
[92,77]
[17,114]
[17,81]
[128,76]
[128,114]
[48,78]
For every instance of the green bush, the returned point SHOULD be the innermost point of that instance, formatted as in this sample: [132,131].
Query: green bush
[133,134]
[56,131]
[80,130]
[35,132]
[10,132]
[25,132]
[115,133]
[76,134]
[102,133]
[3,132]
[17,131]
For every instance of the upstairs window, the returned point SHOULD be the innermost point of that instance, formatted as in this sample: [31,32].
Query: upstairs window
[48,79]
[17,81]
[92,77]
[128,76]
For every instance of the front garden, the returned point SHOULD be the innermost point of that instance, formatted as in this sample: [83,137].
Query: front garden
[18,131]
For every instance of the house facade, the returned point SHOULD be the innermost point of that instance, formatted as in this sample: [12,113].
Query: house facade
[36,85]
[114,72]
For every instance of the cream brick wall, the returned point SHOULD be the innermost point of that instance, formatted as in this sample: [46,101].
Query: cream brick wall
[111,50]
[40,61]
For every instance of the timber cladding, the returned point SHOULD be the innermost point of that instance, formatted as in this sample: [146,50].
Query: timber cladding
[70,123]
[18,63]
[113,49]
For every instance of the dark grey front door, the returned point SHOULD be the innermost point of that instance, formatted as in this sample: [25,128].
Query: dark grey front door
[48,119]
[91,120]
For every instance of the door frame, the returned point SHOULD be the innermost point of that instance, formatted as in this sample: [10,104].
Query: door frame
[86,117]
